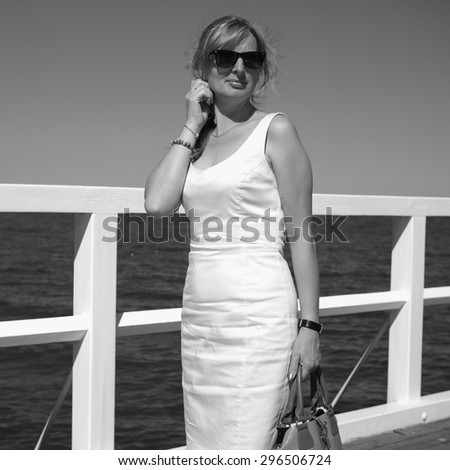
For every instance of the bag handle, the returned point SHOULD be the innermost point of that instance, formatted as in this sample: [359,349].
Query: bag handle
[319,388]
[294,409]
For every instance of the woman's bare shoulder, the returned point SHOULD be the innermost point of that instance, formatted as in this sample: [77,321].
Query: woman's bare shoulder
[283,141]
[281,127]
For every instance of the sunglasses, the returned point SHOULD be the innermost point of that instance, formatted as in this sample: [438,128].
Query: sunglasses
[252,60]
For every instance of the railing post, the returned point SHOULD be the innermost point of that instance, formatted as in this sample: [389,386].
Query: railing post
[405,334]
[93,397]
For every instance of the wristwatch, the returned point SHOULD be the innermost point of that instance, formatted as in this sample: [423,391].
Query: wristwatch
[312,325]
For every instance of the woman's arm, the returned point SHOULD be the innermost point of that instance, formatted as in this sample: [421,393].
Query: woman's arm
[165,183]
[293,172]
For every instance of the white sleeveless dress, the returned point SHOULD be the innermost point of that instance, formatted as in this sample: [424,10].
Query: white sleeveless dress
[239,302]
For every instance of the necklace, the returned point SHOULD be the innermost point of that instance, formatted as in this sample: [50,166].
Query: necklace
[232,127]
[228,130]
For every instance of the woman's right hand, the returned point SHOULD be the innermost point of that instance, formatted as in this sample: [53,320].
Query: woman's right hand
[198,102]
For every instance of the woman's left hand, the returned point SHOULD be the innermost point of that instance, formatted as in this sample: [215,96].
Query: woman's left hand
[306,351]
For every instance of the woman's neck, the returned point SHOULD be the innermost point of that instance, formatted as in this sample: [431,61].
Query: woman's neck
[226,116]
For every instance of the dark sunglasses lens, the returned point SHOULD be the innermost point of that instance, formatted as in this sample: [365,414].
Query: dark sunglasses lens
[253,60]
[225,58]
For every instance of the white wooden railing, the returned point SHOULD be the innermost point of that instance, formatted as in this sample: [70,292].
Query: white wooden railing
[94,324]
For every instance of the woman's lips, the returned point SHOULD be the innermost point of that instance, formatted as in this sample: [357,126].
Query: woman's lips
[237,83]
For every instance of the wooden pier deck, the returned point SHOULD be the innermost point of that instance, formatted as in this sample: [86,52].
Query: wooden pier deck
[427,436]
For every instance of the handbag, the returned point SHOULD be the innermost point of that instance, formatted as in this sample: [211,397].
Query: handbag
[316,429]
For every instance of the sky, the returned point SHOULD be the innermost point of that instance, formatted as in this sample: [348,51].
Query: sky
[92,91]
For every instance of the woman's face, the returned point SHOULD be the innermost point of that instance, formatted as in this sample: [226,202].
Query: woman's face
[237,82]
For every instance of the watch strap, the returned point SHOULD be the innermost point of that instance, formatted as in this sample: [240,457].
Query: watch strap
[312,325]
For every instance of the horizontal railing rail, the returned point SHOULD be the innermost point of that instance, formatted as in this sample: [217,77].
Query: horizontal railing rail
[95,324]
[107,200]
[66,329]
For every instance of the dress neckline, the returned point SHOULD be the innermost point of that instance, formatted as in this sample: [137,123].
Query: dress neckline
[236,151]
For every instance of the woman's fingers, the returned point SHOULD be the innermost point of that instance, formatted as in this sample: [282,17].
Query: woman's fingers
[200,92]
[295,360]
[198,102]
[306,370]
[305,352]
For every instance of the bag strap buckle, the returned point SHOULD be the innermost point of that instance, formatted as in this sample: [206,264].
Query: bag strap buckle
[323,430]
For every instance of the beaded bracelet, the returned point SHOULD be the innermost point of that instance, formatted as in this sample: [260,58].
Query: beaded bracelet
[183,143]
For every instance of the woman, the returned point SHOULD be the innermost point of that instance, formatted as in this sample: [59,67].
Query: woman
[244,180]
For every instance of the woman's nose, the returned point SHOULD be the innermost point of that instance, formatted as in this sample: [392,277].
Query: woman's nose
[239,65]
